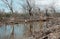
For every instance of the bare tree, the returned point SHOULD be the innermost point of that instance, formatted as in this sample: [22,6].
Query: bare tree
[53,9]
[52,6]
[27,6]
[8,4]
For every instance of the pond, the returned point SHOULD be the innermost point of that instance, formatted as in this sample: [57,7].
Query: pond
[19,30]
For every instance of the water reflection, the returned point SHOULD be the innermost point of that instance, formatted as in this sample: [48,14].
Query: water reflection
[6,30]
[19,30]
[2,32]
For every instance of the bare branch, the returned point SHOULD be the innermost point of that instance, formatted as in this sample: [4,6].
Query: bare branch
[27,6]
[8,5]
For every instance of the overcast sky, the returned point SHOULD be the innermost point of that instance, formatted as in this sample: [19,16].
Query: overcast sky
[41,3]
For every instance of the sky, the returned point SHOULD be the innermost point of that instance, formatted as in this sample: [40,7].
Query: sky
[15,4]
[40,3]
[48,3]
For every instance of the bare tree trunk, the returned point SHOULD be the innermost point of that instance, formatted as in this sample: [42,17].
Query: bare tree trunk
[30,13]
[11,10]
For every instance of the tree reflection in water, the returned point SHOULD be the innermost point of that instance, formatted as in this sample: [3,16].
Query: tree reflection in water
[5,31]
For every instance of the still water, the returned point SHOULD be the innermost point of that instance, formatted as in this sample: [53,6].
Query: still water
[19,30]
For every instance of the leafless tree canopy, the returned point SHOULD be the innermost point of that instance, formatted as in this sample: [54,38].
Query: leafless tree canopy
[9,5]
[27,6]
